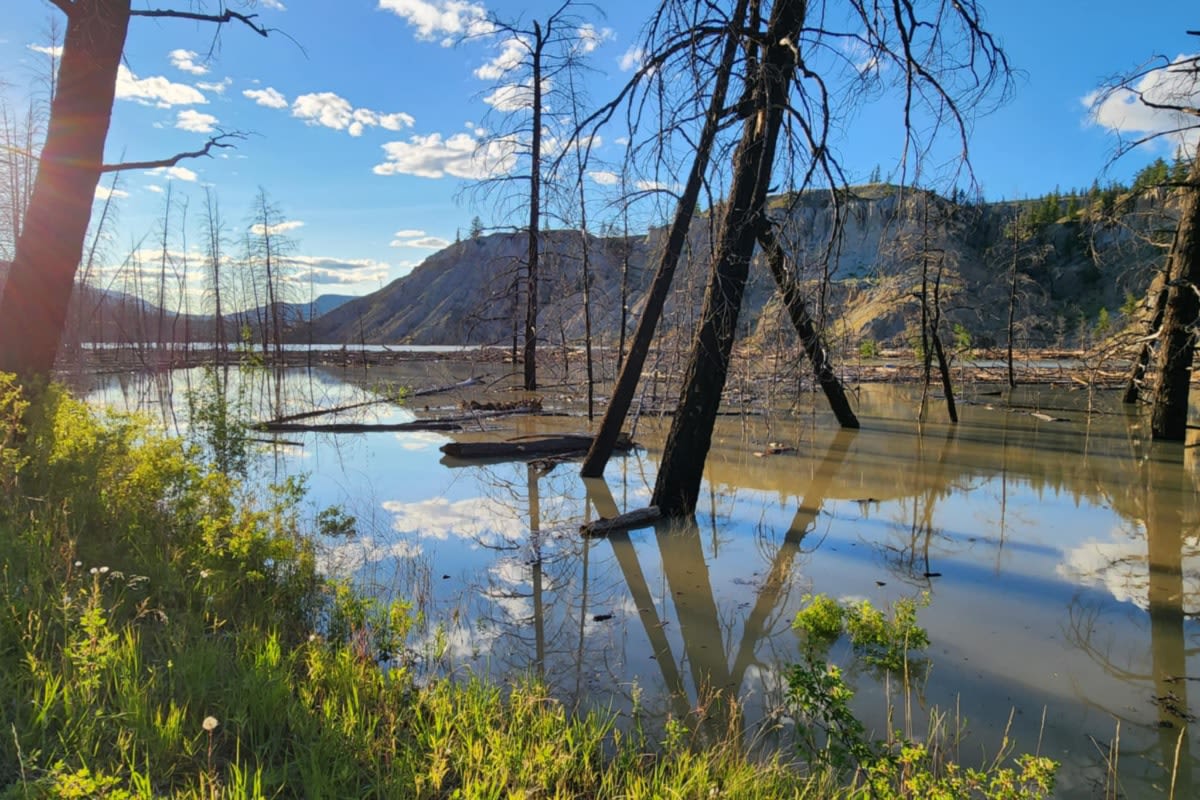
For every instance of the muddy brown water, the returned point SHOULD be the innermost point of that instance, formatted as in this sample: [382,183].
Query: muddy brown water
[1061,560]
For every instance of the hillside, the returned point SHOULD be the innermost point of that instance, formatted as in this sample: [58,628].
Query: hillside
[1068,270]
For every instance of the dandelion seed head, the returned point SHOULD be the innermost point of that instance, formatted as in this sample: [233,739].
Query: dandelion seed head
[210,724]
[103,570]
[93,571]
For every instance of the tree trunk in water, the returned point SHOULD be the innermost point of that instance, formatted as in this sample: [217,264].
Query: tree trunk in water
[33,308]
[656,297]
[1178,346]
[535,201]
[1133,384]
[811,340]
[682,466]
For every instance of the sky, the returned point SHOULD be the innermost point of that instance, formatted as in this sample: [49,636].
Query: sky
[362,116]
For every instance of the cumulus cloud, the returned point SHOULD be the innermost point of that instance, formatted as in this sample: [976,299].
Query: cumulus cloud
[259,229]
[273,4]
[408,233]
[514,96]
[269,97]
[336,112]
[185,60]
[631,59]
[591,37]
[460,156]
[156,91]
[194,121]
[605,178]
[217,87]
[178,173]
[1124,112]
[448,19]
[512,51]
[154,187]
[423,243]
[103,192]
[54,52]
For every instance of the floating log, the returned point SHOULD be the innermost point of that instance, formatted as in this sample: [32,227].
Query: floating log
[528,448]
[473,381]
[357,427]
[631,520]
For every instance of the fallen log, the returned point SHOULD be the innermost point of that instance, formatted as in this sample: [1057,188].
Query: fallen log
[528,448]
[357,427]
[474,381]
[631,520]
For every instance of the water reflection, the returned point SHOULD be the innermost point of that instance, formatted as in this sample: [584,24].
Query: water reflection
[1061,556]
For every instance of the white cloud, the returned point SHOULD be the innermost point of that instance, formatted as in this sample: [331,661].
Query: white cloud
[424,243]
[103,192]
[333,111]
[154,187]
[512,97]
[269,97]
[218,87]
[194,121]
[186,60]
[1124,112]
[512,51]
[328,271]
[275,5]
[178,173]
[654,186]
[460,156]
[631,59]
[54,52]
[279,227]
[156,91]
[448,19]
[408,233]
[605,178]
[590,38]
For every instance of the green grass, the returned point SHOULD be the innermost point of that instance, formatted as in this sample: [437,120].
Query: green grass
[164,633]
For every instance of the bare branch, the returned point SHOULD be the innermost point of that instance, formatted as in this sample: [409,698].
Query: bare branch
[206,151]
[228,15]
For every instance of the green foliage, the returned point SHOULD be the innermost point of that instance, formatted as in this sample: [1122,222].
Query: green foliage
[885,640]
[868,348]
[913,772]
[1103,323]
[220,422]
[962,338]
[822,620]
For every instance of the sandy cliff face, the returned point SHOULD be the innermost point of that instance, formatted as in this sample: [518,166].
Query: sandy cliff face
[871,272]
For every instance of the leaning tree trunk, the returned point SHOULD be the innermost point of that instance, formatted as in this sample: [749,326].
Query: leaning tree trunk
[682,467]
[656,298]
[1177,350]
[1137,372]
[33,308]
[810,338]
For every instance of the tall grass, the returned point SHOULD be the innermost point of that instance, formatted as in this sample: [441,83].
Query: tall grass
[164,632]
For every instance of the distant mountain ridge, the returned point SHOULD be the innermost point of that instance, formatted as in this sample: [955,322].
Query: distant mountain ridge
[462,294]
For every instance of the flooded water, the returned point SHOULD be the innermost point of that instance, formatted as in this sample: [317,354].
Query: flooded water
[1060,558]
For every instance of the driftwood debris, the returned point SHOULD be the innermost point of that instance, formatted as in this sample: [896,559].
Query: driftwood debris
[473,381]
[358,427]
[631,520]
[527,448]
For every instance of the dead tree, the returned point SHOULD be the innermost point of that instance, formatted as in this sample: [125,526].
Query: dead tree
[660,287]
[810,337]
[1167,88]
[682,466]
[33,309]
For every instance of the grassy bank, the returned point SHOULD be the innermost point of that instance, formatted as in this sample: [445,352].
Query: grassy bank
[164,633]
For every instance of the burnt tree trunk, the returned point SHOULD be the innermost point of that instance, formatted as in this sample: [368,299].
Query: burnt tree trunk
[1178,347]
[810,338]
[33,309]
[1137,372]
[682,466]
[656,297]
[535,203]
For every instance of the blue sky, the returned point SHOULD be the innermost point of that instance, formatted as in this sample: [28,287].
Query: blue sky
[362,120]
